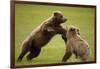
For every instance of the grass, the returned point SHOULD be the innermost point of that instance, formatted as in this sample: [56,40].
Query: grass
[28,17]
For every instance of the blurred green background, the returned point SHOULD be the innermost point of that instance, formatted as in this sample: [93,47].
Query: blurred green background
[28,17]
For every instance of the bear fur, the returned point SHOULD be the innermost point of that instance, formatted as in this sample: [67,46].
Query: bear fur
[42,35]
[76,45]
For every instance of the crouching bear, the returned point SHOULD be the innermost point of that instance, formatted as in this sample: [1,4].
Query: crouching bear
[76,45]
[42,35]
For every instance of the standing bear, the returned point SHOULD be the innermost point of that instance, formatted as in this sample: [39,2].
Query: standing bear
[76,45]
[42,35]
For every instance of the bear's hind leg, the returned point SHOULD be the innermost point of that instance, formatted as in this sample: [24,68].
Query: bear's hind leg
[22,54]
[85,58]
[34,52]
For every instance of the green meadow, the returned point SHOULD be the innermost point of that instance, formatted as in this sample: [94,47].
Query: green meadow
[28,17]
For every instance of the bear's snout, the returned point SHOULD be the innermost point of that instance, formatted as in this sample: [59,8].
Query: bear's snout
[64,19]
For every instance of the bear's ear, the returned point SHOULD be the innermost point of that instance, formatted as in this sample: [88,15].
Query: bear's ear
[55,13]
[78,29]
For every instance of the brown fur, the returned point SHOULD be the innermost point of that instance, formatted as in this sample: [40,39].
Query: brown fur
[76,45]
[42,35]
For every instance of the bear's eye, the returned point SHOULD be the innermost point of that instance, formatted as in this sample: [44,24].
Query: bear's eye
[72,29]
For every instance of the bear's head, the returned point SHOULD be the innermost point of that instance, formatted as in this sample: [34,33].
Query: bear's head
[58,17]
[73,31]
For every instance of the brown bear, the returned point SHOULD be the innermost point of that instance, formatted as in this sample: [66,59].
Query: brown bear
[42,35]
[76,45]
